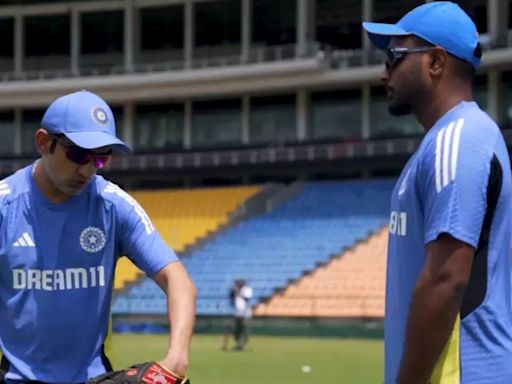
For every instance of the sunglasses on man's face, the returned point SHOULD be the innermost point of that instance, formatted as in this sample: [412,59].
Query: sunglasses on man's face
[83,156]
[395,54]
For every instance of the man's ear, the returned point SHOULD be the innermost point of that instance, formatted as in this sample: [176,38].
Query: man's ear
[43,141]
[438,60]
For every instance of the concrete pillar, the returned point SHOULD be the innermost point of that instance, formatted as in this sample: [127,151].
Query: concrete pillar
[305,26]
[129,123]
[18,122]
[187,135]
[246,118]
[367,13]
[494,101]
[366,93]
[19,43]
[75,41]
[246,29]
[497,21]
[302,114]
[189,33]
[128,36]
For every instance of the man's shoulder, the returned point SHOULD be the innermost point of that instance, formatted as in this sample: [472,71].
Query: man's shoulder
[14,186]
[109,190]
[458,133]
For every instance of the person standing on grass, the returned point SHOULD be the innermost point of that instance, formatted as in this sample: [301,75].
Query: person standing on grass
[448,304]
[240,297]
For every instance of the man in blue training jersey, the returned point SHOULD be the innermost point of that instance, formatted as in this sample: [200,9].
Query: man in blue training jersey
[448,305]
[62,229]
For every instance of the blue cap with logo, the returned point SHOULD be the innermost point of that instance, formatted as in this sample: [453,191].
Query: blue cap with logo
[441,23]
[85,119]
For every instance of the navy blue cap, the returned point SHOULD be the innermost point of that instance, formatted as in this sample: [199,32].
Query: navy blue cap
[441,23]
[85,119]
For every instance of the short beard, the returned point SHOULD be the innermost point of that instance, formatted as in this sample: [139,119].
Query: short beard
[400,109]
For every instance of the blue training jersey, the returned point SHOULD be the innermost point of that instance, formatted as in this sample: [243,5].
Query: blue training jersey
[57,264]
[457,183]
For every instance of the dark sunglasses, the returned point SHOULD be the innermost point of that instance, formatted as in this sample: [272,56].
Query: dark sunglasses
[395,54]
[83,156]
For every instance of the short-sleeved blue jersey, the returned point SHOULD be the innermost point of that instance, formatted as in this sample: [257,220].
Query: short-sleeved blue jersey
[457,183]
[57,264]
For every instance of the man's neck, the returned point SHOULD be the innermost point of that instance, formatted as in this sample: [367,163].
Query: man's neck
[45,185]
[438,105]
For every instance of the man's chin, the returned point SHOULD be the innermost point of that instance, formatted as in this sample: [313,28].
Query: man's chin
[400,109]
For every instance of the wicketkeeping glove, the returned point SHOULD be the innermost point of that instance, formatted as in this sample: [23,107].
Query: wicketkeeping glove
[145,373]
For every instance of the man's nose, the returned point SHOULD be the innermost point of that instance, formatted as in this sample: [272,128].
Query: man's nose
[87,170]
[384,75]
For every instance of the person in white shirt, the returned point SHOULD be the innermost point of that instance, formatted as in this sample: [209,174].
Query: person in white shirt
[240,295]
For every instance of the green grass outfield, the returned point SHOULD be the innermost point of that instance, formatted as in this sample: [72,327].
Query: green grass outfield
[269,360]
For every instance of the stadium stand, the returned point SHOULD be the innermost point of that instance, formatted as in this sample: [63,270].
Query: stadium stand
[351,285]
[272,250]
[184,216]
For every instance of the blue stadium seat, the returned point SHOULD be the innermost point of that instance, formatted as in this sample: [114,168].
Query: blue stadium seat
[271,250]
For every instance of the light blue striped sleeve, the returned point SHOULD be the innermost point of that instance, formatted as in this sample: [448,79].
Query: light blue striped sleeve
[454,171]
[140,241]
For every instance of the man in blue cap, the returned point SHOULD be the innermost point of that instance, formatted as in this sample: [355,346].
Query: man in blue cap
[62,230]
[448,304]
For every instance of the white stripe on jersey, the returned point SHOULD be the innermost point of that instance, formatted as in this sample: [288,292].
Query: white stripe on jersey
[439,140]
[447,148]
[446,153]
[112,188]
[4,188]
[456,141]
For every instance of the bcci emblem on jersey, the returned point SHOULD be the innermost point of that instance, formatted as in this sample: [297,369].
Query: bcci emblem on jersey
[92,239]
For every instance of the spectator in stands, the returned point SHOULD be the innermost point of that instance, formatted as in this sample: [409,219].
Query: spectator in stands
[240,297]
[63,228]
[448,306]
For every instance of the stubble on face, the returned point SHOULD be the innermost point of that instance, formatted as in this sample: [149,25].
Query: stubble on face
[407,89]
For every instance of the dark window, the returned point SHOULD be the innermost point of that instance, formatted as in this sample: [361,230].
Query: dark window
[336,115]
[118,112]
[7,40]
[217,23]
[480,91]
[216,123]
[274,22]
[30,123]
[47,35]
[161,28]
[506,101]
[102,32]
[338,23]
[8,129]
[159,126]
[273,120]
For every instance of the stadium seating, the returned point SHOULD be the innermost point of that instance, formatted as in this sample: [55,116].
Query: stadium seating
[351,285]
[184,216]
[272,250]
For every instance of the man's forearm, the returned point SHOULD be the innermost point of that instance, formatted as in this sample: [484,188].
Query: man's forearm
[432,315]
[181,304]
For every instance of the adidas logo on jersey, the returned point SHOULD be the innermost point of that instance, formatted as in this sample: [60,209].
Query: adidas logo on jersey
[24,241]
